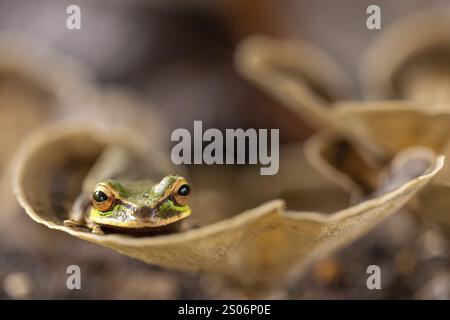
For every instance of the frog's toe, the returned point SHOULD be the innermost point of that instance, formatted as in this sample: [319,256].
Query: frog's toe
[97,229]
[71,223]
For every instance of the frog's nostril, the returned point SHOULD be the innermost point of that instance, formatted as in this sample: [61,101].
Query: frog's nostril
[147,214]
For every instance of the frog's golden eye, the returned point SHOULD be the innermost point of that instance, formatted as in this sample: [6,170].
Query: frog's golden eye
[102,198]
[181,192]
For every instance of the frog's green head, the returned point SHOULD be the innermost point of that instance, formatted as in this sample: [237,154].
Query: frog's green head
[140,204]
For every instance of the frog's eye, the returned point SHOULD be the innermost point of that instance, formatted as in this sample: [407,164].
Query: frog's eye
[184,190]
[102,198]
[181,192]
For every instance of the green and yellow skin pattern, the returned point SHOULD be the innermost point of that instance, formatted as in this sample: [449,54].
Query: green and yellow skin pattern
[136,207]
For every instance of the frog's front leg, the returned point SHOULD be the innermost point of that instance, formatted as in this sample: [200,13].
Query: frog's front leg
[71,223]
[77,215]
[97,229]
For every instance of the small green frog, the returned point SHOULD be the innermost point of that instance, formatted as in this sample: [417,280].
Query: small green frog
[134,207]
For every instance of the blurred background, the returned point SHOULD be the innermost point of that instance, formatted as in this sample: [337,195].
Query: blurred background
[178,56]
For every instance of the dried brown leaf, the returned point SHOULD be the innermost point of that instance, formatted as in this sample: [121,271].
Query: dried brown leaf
[391,126]
[399,66]
[260,246]
[296,73]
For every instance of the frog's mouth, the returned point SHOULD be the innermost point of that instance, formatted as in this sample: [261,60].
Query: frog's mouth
[163,214]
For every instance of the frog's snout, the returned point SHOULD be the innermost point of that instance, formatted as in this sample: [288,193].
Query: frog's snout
[147,214]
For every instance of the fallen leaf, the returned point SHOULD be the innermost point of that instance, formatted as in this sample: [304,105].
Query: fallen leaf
[301,76]
[398,66]
[259,247]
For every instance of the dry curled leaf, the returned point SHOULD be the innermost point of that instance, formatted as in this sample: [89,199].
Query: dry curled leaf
[358,138]
[39,86]
[303,77]
[390,128]
[260,246]
[398,66]
[35,84]
[342,163]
